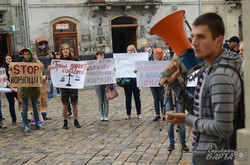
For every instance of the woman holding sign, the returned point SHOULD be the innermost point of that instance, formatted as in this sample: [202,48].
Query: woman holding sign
[158,92]
[132,88]
[101,94]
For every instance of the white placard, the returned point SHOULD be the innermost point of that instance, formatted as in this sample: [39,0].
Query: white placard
[125,63]
[149,72]
[3,78]
[193,83]
[100,72]
[68,74]
[6,90]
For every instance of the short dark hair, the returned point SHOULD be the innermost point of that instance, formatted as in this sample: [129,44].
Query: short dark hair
[99,52]
[214,23]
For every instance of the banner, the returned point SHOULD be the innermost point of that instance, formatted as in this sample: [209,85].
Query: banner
[26,74]
[125,63]
[100,72]
[149,72]
[3,78]
[42,101]
[68,74]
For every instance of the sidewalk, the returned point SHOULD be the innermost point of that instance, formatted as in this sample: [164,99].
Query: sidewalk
[117,141]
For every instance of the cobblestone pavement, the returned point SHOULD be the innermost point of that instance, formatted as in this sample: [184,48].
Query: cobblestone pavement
[117,141]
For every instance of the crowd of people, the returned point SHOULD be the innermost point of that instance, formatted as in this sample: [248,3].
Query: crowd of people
[211,107]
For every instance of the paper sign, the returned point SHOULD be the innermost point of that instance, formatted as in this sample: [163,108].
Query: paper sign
[193,83]
[125,63]
[68,74]
[26,74]
[3,78]
[100,72]
[149,72]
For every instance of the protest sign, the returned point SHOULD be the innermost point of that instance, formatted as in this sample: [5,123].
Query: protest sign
[68,74]
[125,63]
[100,72]
[42,101]
[26,74]
[149,72]
[3,78]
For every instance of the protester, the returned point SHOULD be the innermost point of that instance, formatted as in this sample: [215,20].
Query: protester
[29,93]
[100,90]
[51,91]
[12,95]
[132,88]
[158,92]
[241,49]
[148,49]
[217,97]
[66,93]
[232,44]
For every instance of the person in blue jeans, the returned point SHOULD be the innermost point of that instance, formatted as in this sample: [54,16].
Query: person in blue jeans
[100,90]
[29,93]
[170,126]
[158,92]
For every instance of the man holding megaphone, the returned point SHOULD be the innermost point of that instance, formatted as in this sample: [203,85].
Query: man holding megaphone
[217,94]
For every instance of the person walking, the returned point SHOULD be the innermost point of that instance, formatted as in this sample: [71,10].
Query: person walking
[217,95]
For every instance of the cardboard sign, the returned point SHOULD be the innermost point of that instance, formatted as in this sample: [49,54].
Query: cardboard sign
[3,78]
[42,101]
[125,63]
[100,72]
[149,72]
[26,74]
[68,74]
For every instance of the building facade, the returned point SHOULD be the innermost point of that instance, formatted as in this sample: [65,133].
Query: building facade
[91,25]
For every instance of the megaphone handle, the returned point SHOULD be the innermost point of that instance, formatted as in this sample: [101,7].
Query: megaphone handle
[183,69]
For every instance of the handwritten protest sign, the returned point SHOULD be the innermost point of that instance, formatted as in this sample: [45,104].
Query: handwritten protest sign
[68,74]
[42,101]
[3,78]
[26,74]
[149,72]
[100,72]
[125,63]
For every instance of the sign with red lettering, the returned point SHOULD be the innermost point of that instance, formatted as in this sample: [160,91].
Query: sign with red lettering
[100,72]
[62,26]
[149,72]
[68,74]
[3,78]
[26,74]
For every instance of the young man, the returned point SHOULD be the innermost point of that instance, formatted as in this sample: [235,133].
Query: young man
[217,94]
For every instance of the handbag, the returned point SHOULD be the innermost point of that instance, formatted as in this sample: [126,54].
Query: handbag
[122,82]
[111,93]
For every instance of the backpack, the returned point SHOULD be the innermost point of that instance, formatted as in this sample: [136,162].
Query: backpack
[239,118]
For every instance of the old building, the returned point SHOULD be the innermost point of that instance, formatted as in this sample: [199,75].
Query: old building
[91,25]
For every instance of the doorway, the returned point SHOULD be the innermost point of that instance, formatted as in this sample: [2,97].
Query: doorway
[5,46]
[123,33]
[65,32]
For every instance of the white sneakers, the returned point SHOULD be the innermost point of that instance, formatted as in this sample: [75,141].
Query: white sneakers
[104,118]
